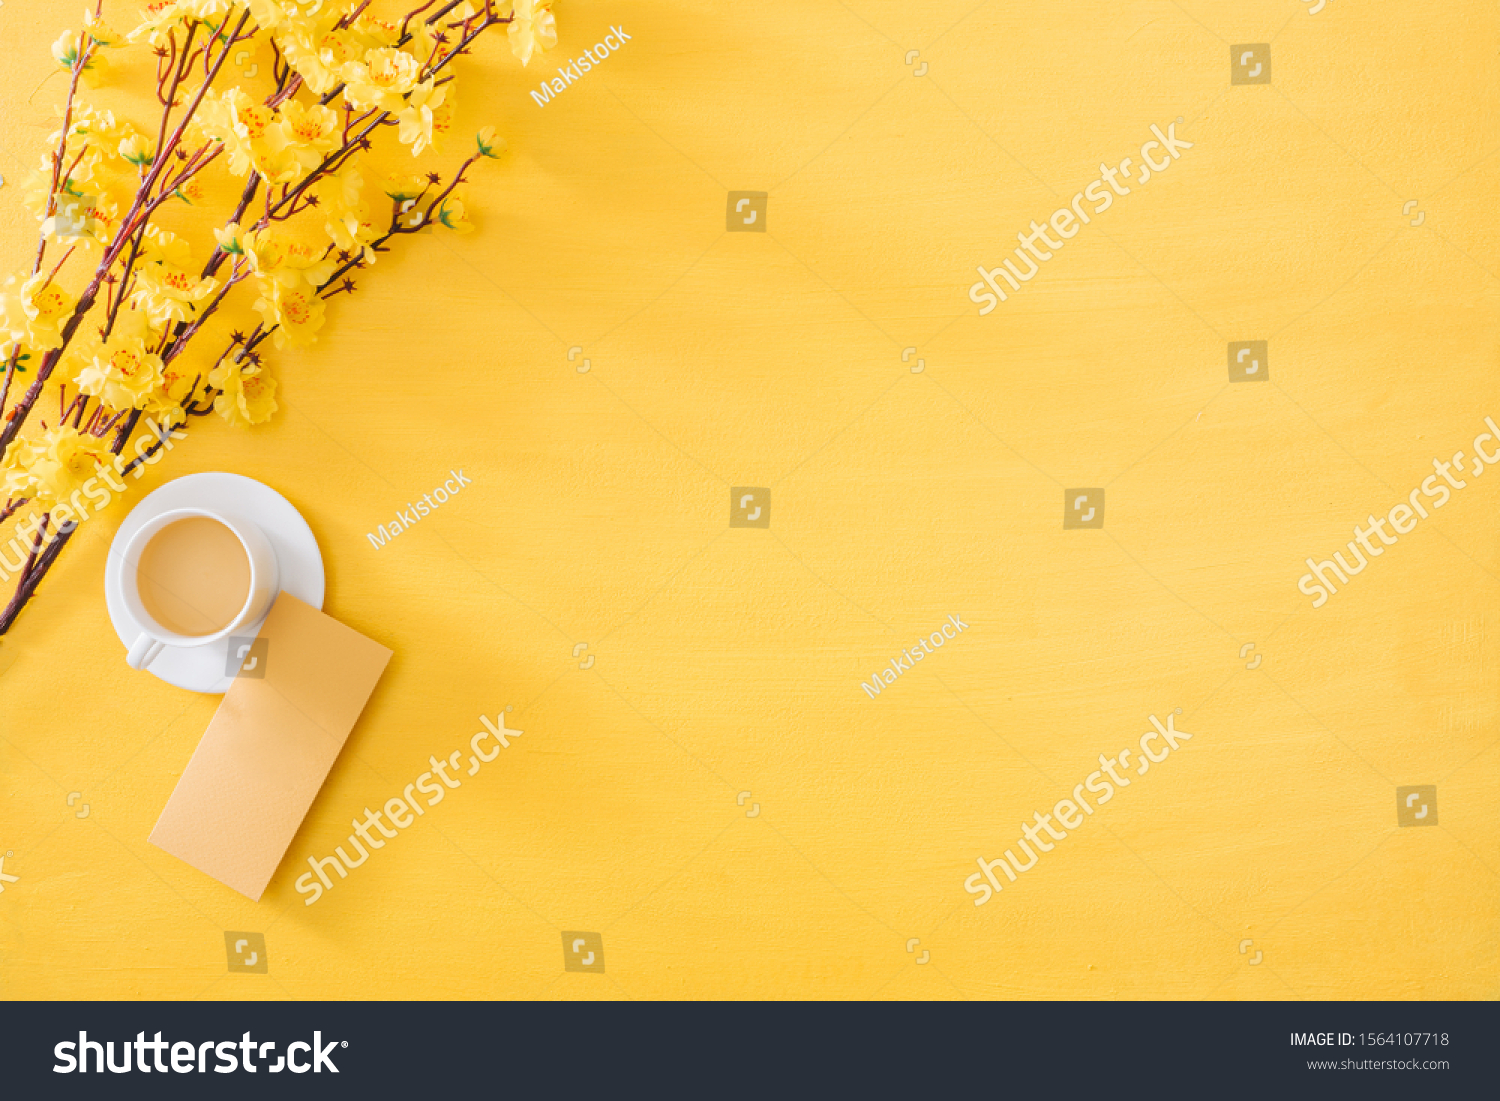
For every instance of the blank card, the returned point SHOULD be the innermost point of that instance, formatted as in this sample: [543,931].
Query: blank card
[270,745]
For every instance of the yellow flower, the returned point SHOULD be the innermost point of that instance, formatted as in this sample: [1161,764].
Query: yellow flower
[532,28]
[266,249]
[249,119]
[111,180]
[165,402]
[248,395]
[45,307]
[404,186]
[340,198]
[283,146]
[426,117]
[240,123]
[103,35]
[490,144]
[92,236]
[229,239]
[268,14]
[381,80]
[453,214]
[12,325]
[294,308]
[138,150]
[134,323]
[15,478]
[424,42]
[68,459]
[407,191]
[271,14]
[72,219]
[278,254]
[209,11]
[377,33]
[91,201]
[317,56]
[100,125]
[307,133]
[168,286]
[161,246]
[34,189]
[193,192]
[66,50]
[54,467]
[123,373]
[159,19]
[101,185]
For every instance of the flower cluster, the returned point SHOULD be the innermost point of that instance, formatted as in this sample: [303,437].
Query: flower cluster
[55,464]
[132,273]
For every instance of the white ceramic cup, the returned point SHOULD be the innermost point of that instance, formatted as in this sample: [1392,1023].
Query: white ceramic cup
[265,583]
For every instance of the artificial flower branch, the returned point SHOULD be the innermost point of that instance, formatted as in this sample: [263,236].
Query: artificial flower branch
[294,145]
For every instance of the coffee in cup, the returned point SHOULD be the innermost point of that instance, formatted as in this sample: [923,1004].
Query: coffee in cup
[193,576]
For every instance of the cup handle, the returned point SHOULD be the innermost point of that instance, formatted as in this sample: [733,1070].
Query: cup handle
[144,652]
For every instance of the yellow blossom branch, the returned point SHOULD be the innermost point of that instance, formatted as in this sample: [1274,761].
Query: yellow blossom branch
[141,209]
[133,263]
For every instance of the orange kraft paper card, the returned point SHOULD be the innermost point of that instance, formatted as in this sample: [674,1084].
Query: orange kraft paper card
[269,747]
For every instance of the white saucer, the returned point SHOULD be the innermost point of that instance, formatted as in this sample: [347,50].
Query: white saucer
[202,668]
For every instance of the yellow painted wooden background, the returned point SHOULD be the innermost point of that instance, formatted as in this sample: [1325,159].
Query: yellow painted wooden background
[727,660]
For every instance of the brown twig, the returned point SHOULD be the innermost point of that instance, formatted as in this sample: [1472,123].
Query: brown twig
[32,577]
[62,144]
[178,72]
